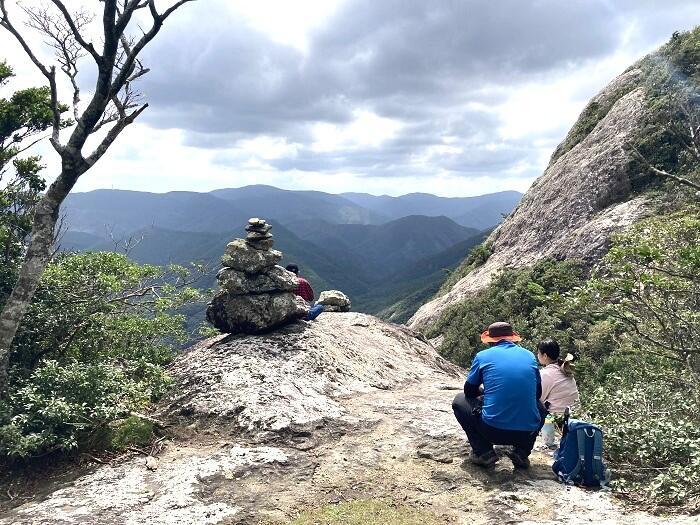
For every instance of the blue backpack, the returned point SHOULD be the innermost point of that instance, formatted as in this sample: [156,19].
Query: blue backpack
[579,459]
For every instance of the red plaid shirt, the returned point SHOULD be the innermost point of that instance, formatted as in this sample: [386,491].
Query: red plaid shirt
[304,290]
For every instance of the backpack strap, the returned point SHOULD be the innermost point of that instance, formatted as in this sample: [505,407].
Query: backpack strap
[598,468]
[581,443]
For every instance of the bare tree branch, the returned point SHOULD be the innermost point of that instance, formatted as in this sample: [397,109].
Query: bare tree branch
[158,20]
[60,35]
[662,173]
[75,29]
[112,136]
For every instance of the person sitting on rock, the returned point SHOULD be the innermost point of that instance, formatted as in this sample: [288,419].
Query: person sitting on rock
[305,291]
[500,402]
[559,389]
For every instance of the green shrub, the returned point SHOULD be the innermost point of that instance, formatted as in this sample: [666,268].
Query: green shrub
[649,284]
[477,257]
[532,299]
[130,431]
[645,390]
[649,411]
[91,349]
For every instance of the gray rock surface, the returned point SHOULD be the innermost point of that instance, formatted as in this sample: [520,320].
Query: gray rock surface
[334,301]
[255,294]
[275,279]
[570,211]
[347,407]
[241,256]
[254,313]
[292,377]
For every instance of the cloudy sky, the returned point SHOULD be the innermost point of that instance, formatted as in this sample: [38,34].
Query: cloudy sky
[452,97]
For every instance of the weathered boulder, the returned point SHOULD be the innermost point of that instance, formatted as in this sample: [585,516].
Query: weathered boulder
[254,313]
[297,374]
[334,301]
[274,279]
[241,256]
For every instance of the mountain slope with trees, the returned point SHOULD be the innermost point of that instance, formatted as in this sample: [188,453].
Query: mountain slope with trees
[337,243]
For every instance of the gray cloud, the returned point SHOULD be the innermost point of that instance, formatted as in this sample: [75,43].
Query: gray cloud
[419,62]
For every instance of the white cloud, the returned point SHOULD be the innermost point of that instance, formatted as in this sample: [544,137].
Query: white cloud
[385,101]
[366,130]
[286,22]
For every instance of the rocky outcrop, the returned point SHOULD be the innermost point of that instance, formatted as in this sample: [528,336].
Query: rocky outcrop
[294,376]
[585,194]
[334,301]
[256,294]
[345,408]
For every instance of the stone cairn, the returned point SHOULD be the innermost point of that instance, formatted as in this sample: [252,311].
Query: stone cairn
[256,294]
[334,301]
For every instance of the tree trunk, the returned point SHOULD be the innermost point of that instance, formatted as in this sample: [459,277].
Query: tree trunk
[35,261]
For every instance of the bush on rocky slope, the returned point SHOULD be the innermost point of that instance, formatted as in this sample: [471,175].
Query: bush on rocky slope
[92,348]
[533,299]
[477,256]
[635,325]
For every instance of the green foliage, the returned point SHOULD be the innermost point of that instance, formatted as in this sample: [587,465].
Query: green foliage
[645,390]
[532,299]
[25,114]
[17,200]
[477,257]
[130,431]
[91,349]
[672,83]
[649,282]
[649,409]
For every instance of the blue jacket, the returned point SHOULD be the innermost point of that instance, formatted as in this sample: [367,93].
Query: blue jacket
[512,386]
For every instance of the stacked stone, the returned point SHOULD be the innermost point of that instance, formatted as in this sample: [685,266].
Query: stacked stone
[334,301]
[259,235]
[256,294]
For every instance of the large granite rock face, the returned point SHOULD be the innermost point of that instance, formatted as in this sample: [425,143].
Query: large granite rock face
[256,294]
[297,375]
[585,195]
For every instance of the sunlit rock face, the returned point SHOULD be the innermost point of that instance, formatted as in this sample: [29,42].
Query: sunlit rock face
[586,193]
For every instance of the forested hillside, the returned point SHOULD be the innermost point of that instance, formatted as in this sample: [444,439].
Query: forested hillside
[339,244]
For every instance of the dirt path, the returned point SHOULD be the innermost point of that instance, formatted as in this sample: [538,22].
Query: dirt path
[401,445]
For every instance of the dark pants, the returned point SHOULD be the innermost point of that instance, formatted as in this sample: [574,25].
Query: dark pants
[483,437]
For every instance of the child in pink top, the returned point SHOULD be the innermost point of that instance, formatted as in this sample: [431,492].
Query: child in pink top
[558,384]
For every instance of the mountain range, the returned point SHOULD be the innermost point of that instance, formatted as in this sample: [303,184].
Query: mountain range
[380,250]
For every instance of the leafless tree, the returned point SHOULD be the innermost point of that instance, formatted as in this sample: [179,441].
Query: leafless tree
[112,106]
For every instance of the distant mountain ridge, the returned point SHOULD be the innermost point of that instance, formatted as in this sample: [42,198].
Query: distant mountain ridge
[481,212]
[358,243]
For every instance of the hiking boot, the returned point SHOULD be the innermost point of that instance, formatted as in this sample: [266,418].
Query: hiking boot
[519,458]
[487,459]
